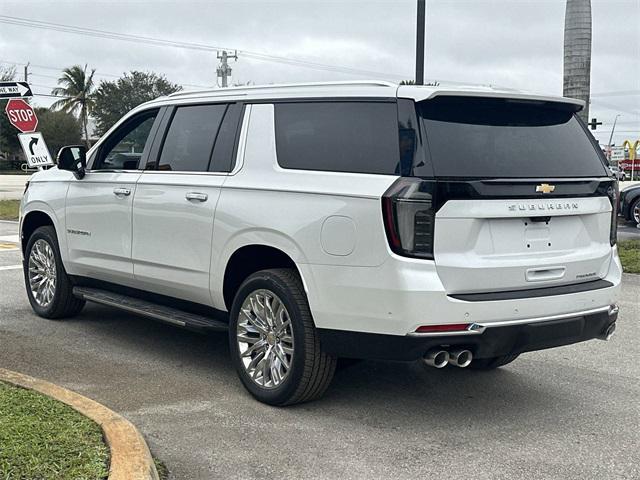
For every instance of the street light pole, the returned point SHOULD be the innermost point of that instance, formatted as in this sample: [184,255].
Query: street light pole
[615,120]
[420,43]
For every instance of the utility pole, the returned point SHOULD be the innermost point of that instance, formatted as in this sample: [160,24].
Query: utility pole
[420,42]
[26,72]
[224,70]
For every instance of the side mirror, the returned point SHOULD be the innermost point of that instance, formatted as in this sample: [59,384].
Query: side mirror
[74,159]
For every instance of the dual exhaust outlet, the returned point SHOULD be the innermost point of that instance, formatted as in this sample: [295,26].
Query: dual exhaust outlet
[441,358]
[462,358]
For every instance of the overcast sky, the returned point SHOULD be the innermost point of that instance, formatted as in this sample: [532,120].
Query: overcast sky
[513,43]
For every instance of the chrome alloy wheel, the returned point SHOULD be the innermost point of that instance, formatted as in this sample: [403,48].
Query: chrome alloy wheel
[42,273]
[265,338]
[636,213]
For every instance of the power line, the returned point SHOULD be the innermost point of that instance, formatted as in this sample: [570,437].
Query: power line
[49,67]
[620,93]
[611,106]
[33,74]
[619,131]
[188,45]
[98,73]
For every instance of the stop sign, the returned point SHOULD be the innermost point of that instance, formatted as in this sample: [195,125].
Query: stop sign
[21,115]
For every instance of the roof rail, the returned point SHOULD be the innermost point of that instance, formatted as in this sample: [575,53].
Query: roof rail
[370,83]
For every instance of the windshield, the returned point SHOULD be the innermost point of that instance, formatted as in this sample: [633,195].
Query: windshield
[503,138]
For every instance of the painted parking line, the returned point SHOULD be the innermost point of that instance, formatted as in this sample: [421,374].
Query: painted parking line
[8,247]
[11,267]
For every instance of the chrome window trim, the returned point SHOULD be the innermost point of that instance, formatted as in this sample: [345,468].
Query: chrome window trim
[114,171]
[185,172]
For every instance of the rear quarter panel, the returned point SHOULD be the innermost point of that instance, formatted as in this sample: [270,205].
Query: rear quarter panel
[317,218]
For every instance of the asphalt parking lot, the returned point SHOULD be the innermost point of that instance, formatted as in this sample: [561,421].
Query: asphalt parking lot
[627,231]
[567,413]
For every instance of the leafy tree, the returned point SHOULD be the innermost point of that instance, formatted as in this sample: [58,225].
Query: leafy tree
[8,133]
[113,99]
[7,73]
[76,88]
[427,84]
[59,129]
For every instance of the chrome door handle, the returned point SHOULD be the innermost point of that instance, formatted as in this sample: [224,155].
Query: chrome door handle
[122,191]
[201,197]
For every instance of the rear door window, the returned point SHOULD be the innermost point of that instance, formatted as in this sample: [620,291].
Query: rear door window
[356,137]
[500,138]
[188,144]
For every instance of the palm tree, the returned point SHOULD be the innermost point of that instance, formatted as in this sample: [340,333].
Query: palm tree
[77,90]
[7,73]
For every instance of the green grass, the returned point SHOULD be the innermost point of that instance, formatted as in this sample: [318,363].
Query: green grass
[163,471]
[9,209]
[41,438]
[629,251]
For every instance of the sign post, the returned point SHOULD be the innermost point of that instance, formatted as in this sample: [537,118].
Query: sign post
[23,117]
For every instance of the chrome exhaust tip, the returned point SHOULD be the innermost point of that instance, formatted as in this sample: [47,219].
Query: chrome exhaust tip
[460,358]
[608,333]
[436,358]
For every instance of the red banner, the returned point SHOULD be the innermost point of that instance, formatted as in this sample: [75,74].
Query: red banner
[626,164]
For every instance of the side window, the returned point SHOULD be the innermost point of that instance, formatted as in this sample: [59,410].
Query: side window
[125,147]
[188,145]
[357,137]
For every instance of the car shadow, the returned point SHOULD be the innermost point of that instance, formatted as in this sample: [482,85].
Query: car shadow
[365,392]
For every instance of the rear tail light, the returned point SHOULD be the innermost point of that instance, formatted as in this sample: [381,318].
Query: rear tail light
[613,194]
[407,208]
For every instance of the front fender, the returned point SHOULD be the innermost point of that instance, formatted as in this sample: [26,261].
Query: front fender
[50,199]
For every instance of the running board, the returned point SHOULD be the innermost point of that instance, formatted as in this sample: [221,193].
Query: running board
[149,309]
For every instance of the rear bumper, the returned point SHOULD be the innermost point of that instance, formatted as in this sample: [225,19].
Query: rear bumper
[402,294]
[497,339]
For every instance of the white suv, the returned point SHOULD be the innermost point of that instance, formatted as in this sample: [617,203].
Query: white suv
[461,226]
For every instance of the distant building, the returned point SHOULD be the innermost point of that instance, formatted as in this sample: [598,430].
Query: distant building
[577,52]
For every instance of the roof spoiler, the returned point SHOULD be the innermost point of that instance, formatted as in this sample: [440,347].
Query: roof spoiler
[571,104]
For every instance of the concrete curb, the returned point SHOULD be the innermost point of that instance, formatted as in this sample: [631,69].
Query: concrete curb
[129,453]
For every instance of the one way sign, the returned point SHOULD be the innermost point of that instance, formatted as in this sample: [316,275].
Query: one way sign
[15,90]
[35,149]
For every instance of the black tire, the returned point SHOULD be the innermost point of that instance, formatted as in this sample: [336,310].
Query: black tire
[311,369]
[491,363]
[632,207]
[63,303]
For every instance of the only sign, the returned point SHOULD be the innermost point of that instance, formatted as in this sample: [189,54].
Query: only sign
[21,115]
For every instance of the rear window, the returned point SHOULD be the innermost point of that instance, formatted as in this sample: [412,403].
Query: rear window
[357,137]
[479,137]
[189,141]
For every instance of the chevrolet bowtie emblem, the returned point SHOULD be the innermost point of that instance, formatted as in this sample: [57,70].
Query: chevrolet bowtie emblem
[545,188]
